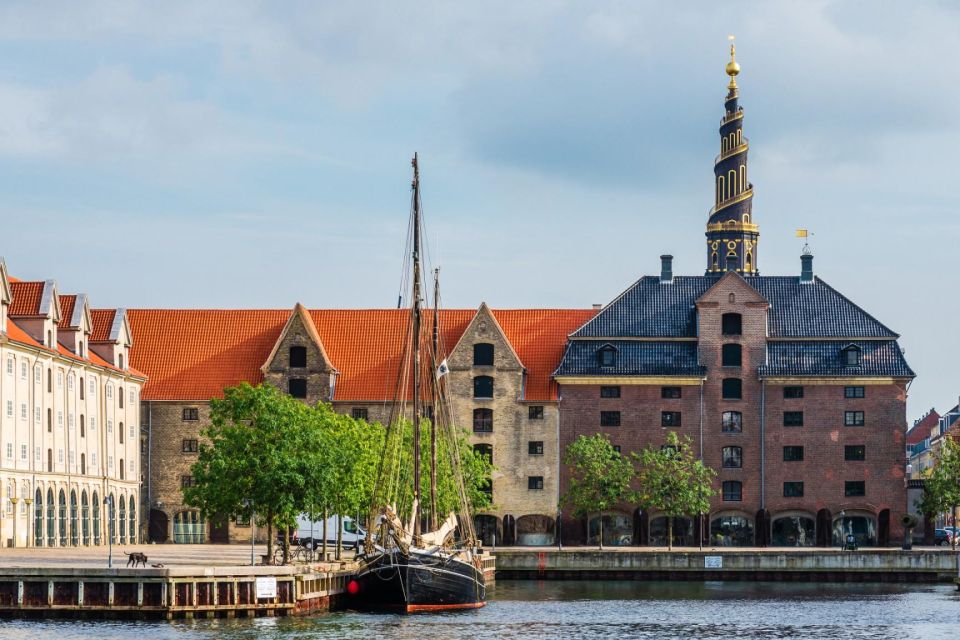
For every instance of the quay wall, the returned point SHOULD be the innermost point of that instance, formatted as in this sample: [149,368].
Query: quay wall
[886,565]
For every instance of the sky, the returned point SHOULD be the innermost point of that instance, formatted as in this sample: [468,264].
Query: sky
[246,154]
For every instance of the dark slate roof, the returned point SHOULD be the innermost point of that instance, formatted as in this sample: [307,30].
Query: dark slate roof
[655,310]
[883,359]
[634,358]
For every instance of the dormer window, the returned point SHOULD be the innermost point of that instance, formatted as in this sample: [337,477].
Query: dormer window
[298,357]
[850,355]
[120,361]
[607,356]
[80,349]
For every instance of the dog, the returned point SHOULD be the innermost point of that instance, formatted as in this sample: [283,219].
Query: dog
[136,558]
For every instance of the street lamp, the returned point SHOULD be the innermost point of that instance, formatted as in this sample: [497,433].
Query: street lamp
[29,501]
[108,503]
[15,500]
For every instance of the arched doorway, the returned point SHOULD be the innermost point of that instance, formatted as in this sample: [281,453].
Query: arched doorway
[158,527]
[189,527]
[488,529]
[824,527]
[62,518]
[74,530]
[51,520]
[96,518]
[762,528]
[133,522]
[617,529]
[793,530]
[861,524]
[509,530]
[683,532]
[641,528]
[38,519]
[731,530]
[85,517]
[536,530]
[122,520]
[111,501]
[883,528]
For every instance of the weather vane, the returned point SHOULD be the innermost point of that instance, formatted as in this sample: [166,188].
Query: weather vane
[805,234]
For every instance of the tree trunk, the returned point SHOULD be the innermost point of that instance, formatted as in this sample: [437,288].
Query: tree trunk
[601,530]
[669,533]
[286,544]
[339,535]
[269,559]
[324,535]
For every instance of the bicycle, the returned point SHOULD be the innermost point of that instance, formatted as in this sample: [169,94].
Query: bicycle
[297,554]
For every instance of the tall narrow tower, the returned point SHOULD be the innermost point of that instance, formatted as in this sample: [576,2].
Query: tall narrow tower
[731,234]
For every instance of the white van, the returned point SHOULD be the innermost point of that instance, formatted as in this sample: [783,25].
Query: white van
[310,535]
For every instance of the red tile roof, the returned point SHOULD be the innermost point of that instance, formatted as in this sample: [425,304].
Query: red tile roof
[102,320]
[26,298]
[18,335]
[66,311]
[921,430]
[194,354]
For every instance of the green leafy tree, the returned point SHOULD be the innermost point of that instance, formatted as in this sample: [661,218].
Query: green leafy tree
[942,487]
[600,477]
[253,462]
[673,481]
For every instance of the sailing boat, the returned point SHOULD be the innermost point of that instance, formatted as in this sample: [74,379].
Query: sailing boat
[410,561]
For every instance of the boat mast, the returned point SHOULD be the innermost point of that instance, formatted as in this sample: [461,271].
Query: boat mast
[436,401]
[416,348]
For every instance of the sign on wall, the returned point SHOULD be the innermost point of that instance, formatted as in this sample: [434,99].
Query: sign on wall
[266,587]
[713,562]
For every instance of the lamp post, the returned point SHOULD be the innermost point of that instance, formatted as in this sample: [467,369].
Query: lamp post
[15,500]
[108,503]
[28,502]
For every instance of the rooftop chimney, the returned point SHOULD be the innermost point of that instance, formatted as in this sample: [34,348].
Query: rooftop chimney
[597,306]
[666,268]
[806,268]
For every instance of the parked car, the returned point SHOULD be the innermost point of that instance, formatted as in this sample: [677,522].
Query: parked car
[942,537]
[310,534]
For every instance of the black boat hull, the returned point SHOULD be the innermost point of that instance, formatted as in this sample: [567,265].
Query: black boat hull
[419,582]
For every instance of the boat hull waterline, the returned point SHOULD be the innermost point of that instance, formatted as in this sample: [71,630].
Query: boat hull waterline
[416,583]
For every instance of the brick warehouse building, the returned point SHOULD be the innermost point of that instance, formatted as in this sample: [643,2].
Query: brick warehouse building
[796,396]
[500,387]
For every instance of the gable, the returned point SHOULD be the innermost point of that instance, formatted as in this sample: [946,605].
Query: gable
[484,329]
[299,330]
[6,295]
[731,283]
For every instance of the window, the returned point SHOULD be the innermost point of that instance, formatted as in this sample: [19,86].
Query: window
[297,387]
[298,357]
[109,390]
[60,456]
[732,422]
[59,378]
[93,459]
[109,426]
[359,413]
[9,365]
[483,355]
[49,380]
[9,408]
[851,356]
[853,418]
[191,413]
[854,452]
[120,430]
[36,415]
[93,386]
[609,392]
[854,488]
[70,382]
[535,483]
[670,393]
[82,427]
[732,389]
[37,374]
[483,387]
[853,392]
[93,423]
[483,420]
[23,410]
[186,481]
[49,420]
[535,412]
[23,370]
[49,460]
[792,393]
[535,448]
[793,418]
[669,418]
[23,452]
[732,491]
[110,462]
[609,418]
[792,453]
[607,356]
[731,355]
[120,396]
[83,464]
[81,389]
[792,489]
[616,448]
[133,396]
[484,450]
[731,324]
[732,457]
[133,431]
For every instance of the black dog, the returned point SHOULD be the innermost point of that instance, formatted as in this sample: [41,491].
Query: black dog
[136,558]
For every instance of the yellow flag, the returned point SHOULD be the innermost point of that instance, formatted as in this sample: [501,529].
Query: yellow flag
[801,233]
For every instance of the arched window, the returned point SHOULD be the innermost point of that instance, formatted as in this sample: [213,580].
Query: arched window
[122,521]
[743,177]
[732,457]
[84,517]
[851,355]
[120,396]
[715,260]
[51,520]
[723,145]
[298,357]
[483,420]
[83,465]
[732,182]
[121,468]
[49,338]
[749,261]
[49,380]
[483,387]
[133,522]
[38,519]
[732,388]
[721,194]
[483,355]
[732,355]
[74,531]
[83,430]
[120,362]
[49,460]
[81,388]
[731,324]
[111,501]
[731,531]
[121,432]
[732,422]
[49,420]
[62,518]
[96,518]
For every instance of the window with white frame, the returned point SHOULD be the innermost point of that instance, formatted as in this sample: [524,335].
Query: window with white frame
[73,458]
[133,396]
[23,410]
[109,426]
[59,378]
[131,465]
[70,382]
[133,432]
[60,418]
[70,421]
[93,423]
[23,370]
[9,365]
[38,374]
[109,390]
[92,387]
[110,462]
[24,494]
[36,415]
[93,459]
[36,453]
[9,451]
[60,456]
[23,452]
[9,499]
[9,408]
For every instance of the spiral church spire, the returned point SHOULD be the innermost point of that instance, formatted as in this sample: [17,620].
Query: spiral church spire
[731,234]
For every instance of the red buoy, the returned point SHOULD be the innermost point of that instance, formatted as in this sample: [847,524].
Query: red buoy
[353,587]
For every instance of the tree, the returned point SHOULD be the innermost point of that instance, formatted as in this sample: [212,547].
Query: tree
[600,476]
[941,489]
[673,481]
[253,464]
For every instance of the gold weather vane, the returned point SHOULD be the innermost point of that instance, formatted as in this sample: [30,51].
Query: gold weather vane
[733,68]
[805,234]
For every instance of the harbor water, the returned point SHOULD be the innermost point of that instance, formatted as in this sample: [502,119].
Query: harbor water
[591,609]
